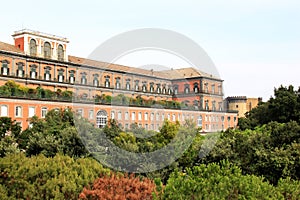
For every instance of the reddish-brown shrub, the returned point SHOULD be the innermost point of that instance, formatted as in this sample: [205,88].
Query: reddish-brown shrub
[120,187]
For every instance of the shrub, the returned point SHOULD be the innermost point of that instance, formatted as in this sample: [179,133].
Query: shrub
[120,187]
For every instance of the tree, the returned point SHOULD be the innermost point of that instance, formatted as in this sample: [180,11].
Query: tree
[39,177]
[282,108]
[9,135]
[214,181]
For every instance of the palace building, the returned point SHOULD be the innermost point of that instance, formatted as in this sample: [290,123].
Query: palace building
[100,91]
[242,104]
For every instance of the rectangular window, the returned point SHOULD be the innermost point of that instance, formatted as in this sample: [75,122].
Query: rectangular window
[119,115]
[174,117]
[112,115]
[72,79]
[60,78]
[152,117]
[33,73]
[140,116]
[91,114]
[44,112]
[146,116]
[31,111]
[126,116]
[157,116]
[80,112]
[199,121]
[133,116]
[4,111]
[47,76]
[5,70]
[18,111]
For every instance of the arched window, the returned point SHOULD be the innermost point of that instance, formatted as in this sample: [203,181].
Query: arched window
[175,89]
[151,87]
[158,89]
[118,83]
[72,76]
[47,50]
[60,75]
[83,78]
[206,105]
[107,82]
[60,52]
[32,47]
[196,88]
[144,87]
[186,88]
[136,86]
[101,119]
[20,69]
[127,84]
[33,73]
[164,90]
[47,74]
[96,81]
[206,87]
[214,105]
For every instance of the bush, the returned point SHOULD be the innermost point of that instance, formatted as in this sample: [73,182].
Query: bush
[120,187]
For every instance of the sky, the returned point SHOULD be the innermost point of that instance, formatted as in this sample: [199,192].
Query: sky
[255,45]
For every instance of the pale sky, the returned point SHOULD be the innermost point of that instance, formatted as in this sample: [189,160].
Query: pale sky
[255,44]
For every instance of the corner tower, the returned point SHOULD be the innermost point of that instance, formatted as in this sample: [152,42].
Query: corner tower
[38,44]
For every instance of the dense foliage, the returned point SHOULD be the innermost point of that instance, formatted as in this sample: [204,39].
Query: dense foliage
[283,107]
[260,160]
[217,182]
[120,187]
[225,181]
[39,177]
[12,89]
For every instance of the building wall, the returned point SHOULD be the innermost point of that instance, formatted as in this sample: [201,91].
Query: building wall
[150,118]
[242,104]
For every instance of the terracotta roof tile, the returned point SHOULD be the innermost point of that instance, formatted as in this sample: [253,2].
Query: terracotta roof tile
[10,48]
[166,74]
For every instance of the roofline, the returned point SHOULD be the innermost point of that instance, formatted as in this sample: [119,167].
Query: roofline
[104,69]
[38,33]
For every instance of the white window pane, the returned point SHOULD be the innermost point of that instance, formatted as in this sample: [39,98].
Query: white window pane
[31,112]
[4,111]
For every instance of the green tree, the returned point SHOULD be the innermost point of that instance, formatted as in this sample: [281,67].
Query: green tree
[39,177]
[217,182]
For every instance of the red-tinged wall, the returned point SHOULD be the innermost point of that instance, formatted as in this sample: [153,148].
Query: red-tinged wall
[19,43]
